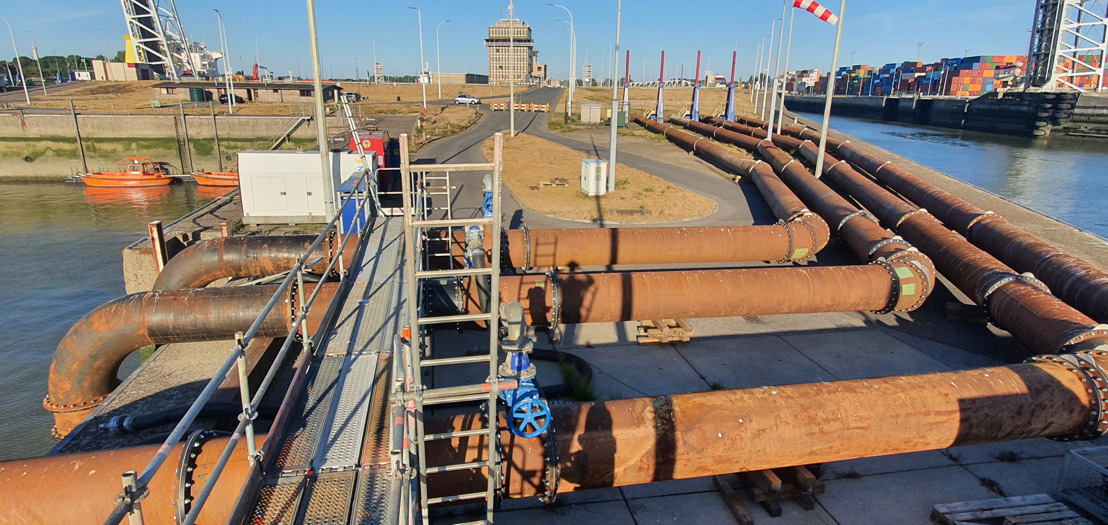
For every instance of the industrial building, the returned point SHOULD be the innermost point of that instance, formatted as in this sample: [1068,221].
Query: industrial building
[511,49]
[249,91]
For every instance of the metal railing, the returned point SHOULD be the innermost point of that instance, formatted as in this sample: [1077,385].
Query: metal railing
[135,487]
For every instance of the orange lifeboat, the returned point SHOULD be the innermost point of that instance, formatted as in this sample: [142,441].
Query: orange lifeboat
[130,172]
[218,178]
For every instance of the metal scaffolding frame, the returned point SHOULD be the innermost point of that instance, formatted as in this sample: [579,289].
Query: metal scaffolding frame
[157,36]
[1068,42]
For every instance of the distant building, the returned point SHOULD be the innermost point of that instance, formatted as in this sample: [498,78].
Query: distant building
[249,91]
[458,79]
[121,71]
[512,53]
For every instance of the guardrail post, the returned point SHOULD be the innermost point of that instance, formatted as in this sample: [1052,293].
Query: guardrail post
[301,312]
[130,492]
[157,244]
[244,391]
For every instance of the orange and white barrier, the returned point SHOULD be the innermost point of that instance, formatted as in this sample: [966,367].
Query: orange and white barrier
[519,106]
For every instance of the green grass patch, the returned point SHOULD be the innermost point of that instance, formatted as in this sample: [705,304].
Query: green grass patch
[582,389]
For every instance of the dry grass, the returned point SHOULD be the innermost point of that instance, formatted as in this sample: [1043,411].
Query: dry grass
[639,197]
[713,101]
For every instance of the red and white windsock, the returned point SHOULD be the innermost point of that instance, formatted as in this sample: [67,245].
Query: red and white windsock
[821,12]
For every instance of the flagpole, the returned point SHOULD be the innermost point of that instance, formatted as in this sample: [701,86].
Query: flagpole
[830,90]
[785,77]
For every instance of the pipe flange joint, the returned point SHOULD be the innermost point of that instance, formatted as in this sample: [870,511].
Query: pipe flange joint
[886,163]
[983,216]
[911,268]
[853,214]
[792,242]
[1088,338]
[556,300]
[186,465]
[917,211]
[331,254]
[801,218]
[527,246]
[57,408]
[293,302]
[1084,366]
[895,239]
[1025,277]
[552,472]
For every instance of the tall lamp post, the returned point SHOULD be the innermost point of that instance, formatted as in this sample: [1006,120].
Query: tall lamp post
[572,59]
[228,81]
[419,14]
[438,59]
[18,62]
[615,105]
[34,55]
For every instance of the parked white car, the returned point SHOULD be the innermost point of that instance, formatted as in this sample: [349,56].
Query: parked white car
[466,99]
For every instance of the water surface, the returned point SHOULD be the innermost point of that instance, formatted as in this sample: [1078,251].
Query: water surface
[60,246]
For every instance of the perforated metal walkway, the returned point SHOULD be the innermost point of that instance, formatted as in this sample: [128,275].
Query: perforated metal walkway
[333,462]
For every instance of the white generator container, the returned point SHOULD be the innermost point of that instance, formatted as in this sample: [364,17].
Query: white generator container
[286,187]
[594,177]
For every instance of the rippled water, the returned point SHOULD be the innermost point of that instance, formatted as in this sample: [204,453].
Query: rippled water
[1057,178]
[60,248]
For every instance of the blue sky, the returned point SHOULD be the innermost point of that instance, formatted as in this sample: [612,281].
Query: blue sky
[879,31]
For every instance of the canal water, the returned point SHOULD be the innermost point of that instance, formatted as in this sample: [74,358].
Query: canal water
[1057,178]
[60,248]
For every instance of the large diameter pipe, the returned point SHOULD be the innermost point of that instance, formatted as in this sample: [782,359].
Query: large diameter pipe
[81,488]
[635,441]
[256,256]
[86,361]
[1039,320]
[633,296]
[1076,281]
[868,240]
[785,241]
[642,440]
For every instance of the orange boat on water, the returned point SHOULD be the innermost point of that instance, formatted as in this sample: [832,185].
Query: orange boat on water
[130,172]
[218,178]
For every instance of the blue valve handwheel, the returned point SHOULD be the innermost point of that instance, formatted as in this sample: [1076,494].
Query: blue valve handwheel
[529,411]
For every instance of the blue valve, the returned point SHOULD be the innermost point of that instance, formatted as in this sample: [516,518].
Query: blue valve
[530,413]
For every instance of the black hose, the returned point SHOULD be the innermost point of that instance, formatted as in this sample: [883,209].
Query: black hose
[584,371]
[127,424]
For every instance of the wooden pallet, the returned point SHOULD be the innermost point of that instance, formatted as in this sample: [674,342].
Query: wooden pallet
[769,488]
[664,331]
[1037,509]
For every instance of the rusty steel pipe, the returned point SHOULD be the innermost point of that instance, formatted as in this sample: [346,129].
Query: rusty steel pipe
[1076,281]
[86,361]
[868,240]
[81,487]
[256,256]
[642,440]
[784,203]
[635,441]
[630,296]
[539,248]
[1039,320]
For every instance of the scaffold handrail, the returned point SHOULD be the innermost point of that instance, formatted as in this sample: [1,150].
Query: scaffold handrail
[129,499]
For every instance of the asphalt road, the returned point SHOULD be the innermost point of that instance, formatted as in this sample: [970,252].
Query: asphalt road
[738,204]
[16,95]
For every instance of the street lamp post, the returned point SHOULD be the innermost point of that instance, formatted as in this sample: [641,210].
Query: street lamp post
[572,60]
[615,106]
[769,64]
[228,82]
[18,62]
[788,51]
[438,59]
[419,14]
[34,55]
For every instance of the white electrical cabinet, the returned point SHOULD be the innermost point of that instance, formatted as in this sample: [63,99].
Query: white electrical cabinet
[286,187]
[594,177]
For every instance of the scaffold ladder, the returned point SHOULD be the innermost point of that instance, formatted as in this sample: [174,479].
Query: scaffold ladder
[416,348]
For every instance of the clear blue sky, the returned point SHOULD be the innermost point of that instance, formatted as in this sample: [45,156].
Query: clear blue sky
[880,31]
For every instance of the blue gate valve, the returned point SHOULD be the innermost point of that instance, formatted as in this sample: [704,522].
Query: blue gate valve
[529,412]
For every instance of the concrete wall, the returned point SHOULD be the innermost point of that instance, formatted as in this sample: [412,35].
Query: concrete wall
[45,146]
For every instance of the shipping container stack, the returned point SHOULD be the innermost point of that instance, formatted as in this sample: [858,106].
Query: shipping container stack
[1087,82]
[975,76]
[853,80]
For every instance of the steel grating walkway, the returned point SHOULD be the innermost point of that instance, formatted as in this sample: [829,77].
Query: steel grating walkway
[333,464]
